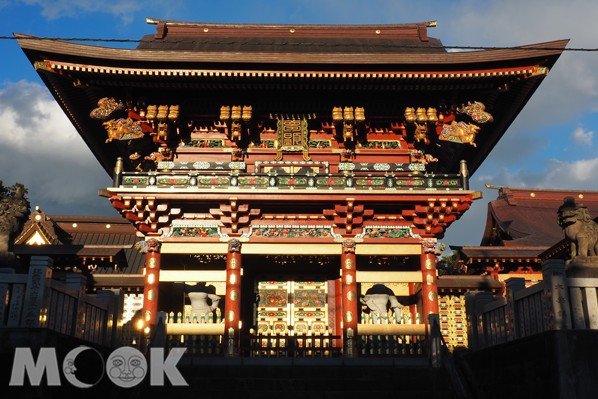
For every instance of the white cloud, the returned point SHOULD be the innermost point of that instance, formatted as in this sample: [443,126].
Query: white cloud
[582,137]
[126,10]
[42,150]
[32,123]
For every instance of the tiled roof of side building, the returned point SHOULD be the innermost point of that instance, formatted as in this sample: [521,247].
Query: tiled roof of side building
[528,217]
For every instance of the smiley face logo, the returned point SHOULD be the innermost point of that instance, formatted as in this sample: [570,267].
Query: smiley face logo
[126,367]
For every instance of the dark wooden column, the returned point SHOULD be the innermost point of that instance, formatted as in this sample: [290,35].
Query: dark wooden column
[429,286]
[350,297]
[152,282]
[232,303]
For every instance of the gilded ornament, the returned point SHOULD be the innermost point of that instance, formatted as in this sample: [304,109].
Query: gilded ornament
[231,315]
[349,279]
[349,316]
[151,295]
[349,264]
[152,263]
[432,295]
[429,279]
[232,279]
[233,263]
[429,264]
[351,295]
[234,295]
[147,315]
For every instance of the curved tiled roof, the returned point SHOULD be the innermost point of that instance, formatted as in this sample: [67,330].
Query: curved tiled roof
[528,217]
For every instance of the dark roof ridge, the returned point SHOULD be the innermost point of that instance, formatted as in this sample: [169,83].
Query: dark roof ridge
[157,21]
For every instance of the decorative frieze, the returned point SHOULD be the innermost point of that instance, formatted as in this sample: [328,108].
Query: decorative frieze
[202,165]
[289,231]
[381,167]
[387,232]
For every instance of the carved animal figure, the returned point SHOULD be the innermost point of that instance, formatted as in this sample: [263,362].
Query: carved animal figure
[459,132]
[579,228]
[421,133]
[377,304]
[122,129]
[14,209]
[106,107]
[477,112]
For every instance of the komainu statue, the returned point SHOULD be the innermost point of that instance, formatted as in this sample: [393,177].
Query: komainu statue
[14,210]
[579,228]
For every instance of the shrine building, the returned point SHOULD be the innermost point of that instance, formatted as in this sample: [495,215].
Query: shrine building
[287,180]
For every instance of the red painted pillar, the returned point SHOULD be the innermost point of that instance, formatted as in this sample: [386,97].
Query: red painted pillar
[338,314]
[429,286]
[413,307]
[151,282]
[350,297]
[232,303]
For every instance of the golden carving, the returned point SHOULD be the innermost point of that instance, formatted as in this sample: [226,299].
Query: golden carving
[349,264]
[147,315]
[432,295]
[233,263]
[477,112]
[234,295]
[459,132]
[151,295]
[348,316]
[232,279]
[231,315]
[349,279]
[351,295]
[429,279]
[429,264]
[292,135]
[151,263]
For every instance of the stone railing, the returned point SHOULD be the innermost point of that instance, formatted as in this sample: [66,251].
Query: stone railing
[35,300]
[557,303]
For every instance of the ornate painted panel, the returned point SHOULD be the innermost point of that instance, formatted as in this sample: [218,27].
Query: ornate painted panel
[299,306]
[453,323]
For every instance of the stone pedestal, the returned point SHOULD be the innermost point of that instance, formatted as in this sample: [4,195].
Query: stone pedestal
[582,267]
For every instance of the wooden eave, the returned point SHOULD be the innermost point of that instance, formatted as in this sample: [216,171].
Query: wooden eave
[115,56]
[347,76]
[486,254]
[78,75]
[467,283]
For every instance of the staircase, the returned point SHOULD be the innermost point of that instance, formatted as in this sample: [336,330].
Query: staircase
[310,378]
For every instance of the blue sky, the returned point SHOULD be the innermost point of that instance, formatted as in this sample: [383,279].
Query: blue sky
[550,145]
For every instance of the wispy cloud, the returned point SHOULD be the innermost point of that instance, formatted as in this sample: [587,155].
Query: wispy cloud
[125,10]
[582,137]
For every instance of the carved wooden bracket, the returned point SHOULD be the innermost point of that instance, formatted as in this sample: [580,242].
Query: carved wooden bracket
[349,218]
[234,216]
[432,219]
[147,213]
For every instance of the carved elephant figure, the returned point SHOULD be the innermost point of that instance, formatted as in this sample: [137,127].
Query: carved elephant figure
[377,304]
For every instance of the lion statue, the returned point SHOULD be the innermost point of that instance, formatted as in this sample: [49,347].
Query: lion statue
[579,228]
[14,210]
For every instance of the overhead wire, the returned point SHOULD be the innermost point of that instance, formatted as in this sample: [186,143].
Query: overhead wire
[379,45]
